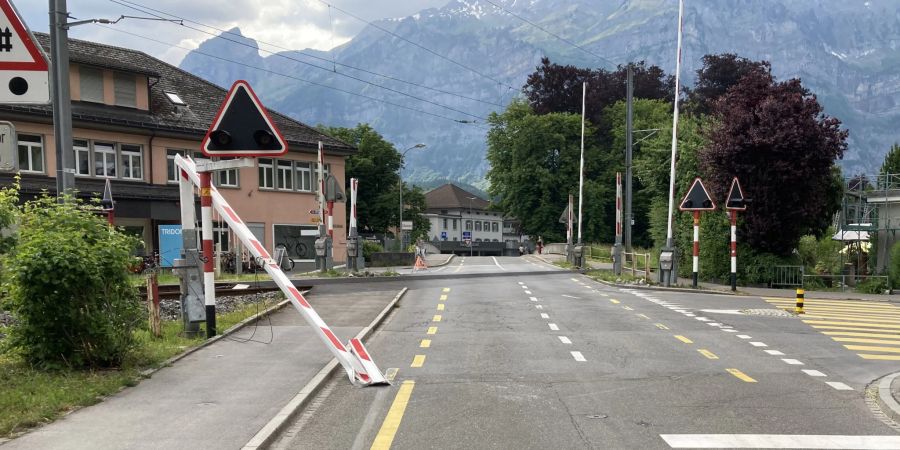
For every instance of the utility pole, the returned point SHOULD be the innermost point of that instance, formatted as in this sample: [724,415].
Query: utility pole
[629,138]
[62,103]
[668,259]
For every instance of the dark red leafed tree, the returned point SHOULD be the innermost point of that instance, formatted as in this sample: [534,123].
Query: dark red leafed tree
[775,138]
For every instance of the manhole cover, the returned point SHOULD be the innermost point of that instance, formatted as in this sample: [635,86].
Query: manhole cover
[769,312]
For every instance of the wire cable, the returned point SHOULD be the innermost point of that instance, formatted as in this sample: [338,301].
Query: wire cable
[387,102]
[148,10]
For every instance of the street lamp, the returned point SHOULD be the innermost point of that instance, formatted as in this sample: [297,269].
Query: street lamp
[472,234]
[400,180]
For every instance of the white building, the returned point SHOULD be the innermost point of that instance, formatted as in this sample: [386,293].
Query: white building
[455,213]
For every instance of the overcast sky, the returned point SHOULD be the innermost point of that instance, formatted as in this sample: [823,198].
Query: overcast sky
[294,24]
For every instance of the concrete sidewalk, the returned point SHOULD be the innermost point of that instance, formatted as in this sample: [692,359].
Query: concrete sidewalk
[685,283]
[221,395]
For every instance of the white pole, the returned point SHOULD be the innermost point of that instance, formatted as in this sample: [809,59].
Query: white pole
[669,241]
[581,167]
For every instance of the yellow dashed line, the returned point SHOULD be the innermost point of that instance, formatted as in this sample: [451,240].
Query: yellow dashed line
[432,330]
[880,357]
[644,316]
[683,339]
[707,353]
[446,290]
[614,301]
[867,348]
[443,298]
[440,307]
[418,361]
[741,375]
[425,343]
[661,326]
[385,436]
[436,318]
[873,335]
[867,341]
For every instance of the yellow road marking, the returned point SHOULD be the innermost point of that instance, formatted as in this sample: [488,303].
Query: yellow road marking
[741,375]
[818,301]
[881,357]
[391,373]
[870,319]
[425,343]
[418,361]
[661,326]
[443,298]
[867,341]
[869,335]
[436,318]
[818,307]
[683,339]
[614,301]
[707,353]
[385,436]
[446,289]
[852,324]
[628,308]
[432,330]
[440,307]
[869,348]
[644,316]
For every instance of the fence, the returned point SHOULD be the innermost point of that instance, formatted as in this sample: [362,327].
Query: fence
[843,281]
[786,276]
[633,258]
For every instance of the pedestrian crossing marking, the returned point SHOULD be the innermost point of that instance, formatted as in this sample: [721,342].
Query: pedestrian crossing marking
[851,323]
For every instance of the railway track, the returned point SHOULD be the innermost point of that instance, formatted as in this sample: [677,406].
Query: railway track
[173,291]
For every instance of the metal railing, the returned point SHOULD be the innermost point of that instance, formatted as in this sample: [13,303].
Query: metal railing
[786,276]
[633,258]
[843,281]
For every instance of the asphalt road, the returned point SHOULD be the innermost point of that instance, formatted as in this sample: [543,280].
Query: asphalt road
[559,361]
[467,265]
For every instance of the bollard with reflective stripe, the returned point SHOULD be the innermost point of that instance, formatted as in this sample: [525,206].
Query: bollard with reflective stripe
[799,307]
[209,276]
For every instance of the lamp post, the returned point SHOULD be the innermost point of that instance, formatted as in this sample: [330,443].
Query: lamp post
[472,236]
[400,181]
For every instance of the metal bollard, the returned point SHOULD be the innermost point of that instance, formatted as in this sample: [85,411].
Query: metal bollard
[799,307]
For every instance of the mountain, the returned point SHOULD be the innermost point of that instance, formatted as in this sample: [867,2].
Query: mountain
[846,51]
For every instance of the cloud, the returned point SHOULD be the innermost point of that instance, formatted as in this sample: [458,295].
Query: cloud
[291,24]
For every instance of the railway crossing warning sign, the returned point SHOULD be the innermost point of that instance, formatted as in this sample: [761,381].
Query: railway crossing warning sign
[243,127]
[697,198]
[736,200]
[24,72]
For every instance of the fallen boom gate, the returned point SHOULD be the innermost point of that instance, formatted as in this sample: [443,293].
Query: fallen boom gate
[353,357]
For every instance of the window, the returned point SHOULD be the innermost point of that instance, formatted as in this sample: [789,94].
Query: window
[315,175]
[175,99]
[227,178]
[304,176]
[469,225]
[221,237]
[495,227]
[125,87]
[477,225]
[454,224]
[284,176]
[104,160]
[445,224]
[31,153]
[82,151]
[132,162]
[266,174]
[91,80]
[171,173]
[299,240]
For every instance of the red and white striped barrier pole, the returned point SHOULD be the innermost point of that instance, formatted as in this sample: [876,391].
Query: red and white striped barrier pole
[331,219]
[354,185]
[209,276]
[321,176]
[353,357]
[618,207]
[733,249]
[696,246]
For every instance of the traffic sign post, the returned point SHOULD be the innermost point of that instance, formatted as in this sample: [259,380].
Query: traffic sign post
[8,151]
[734,202]
[697,200]
[24,71]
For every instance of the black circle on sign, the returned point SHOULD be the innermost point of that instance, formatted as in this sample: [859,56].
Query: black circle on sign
[18,86]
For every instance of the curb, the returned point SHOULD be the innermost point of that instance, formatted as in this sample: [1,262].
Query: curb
[885,399]
[234,328]
[268,433]
[445,262]
[681,290]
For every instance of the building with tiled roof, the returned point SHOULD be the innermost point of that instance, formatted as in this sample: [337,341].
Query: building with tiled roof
[457,216]
[132,113]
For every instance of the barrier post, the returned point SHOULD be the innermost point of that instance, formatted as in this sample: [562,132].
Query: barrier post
[733,215]
[696,247]
[799,306]
[209,276]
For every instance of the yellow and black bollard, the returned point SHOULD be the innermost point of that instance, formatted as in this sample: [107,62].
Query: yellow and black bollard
[799,308]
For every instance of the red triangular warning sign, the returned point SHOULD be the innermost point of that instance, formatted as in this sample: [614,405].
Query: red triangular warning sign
[697,198]
[735,200]
[18,49]
[243,127]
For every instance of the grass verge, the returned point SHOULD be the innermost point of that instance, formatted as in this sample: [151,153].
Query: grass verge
[30,397]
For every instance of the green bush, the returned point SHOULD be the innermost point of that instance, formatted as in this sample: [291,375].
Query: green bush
[895,265]
[370,247]
[69,288]
[872,286]
[756,268]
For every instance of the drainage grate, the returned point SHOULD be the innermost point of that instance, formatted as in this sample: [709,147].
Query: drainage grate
[769,312]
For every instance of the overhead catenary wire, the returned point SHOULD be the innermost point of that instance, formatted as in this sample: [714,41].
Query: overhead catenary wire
[149,10]
[293,77]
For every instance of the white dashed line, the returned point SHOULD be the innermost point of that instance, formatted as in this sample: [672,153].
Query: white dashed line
[774,352]
[553,326]
[545,316]
[839,386]
[534,299]
[730,330]
[744,336]
[521,283]
[758,344]
[792,362]
[814,373]
[702,319]
[564,340]
[539,306]
[528,292]
[578,356]
[690,315]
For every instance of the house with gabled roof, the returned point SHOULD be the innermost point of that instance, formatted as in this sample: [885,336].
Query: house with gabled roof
[455,213]
[132,113]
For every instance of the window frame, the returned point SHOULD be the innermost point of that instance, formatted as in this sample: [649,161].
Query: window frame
[86,148]
[82,70]
[30,146]
[131,154]
[103,160]
[170,162]
[284,175]
[127,80]
[261,168]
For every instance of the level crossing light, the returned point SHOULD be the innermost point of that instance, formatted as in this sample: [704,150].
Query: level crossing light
[400,180]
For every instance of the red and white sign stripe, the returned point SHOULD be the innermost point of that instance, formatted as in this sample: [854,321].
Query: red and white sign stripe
[209,275]
[356,369]
[696,242]
[618,207]
[354,185]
